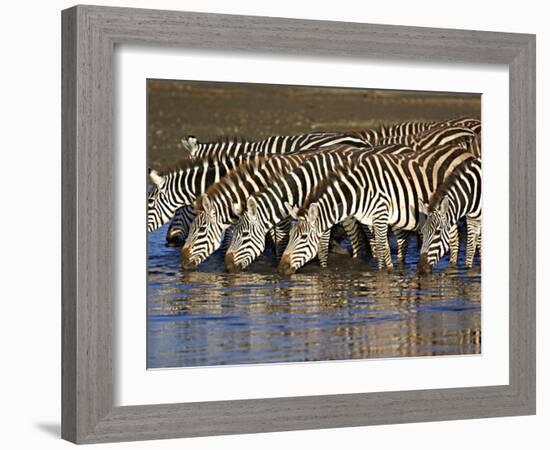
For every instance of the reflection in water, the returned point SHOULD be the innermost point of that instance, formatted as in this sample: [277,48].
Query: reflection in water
[347,311]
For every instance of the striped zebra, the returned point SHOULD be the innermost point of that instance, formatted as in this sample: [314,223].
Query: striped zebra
[269,206]
[381,135]
[384,134]
[467,122]
[390,134]
[180,187]
[459,196]
[217,207]
[379,190]
[279,145]
[226,150]
[231,153]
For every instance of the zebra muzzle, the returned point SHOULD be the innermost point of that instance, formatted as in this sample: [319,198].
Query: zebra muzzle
[285,268]
[186,262]
[230,265]
[424,266]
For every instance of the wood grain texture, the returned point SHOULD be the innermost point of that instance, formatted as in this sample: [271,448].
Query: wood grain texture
[68,226]
[89,36]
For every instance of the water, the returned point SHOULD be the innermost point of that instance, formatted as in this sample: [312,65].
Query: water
[346,311]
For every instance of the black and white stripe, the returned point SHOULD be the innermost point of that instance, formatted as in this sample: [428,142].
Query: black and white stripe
[273,145]
[217,207]
[180,187]
[459,196]
[248,240]
[224,151]
[272,205]
[383,191]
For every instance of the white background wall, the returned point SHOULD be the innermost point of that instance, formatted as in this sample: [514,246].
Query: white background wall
[31,210]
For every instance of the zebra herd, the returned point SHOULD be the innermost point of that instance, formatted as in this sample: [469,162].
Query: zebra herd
[409,177]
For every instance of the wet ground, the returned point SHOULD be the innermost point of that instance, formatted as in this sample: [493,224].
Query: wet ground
[347,311]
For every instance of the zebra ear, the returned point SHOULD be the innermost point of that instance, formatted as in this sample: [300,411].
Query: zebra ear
[202,203]
[252,207]
[155,177]
[444,206]
[190,145]
[313,213]
[291,210]
[423,208]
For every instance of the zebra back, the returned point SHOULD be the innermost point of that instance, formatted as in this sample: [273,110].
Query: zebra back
[272,145]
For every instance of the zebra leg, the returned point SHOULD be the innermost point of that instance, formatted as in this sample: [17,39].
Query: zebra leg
[282,234]
[337,235]
[323,248]
[479,244]
[369,239]
[473,227]
[454,245]
[402,237]
[354,233]
[383,253]
[227,235]
[273,239]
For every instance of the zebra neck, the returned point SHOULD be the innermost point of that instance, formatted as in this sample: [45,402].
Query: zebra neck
[331,213]
[459,205]
[233,189]
[463,192]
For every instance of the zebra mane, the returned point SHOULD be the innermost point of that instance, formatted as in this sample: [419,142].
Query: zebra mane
[234,175]
[443,188]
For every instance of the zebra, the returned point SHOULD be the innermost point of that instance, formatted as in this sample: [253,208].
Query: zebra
[390,134]
[381,135]
[467,122]
[379,190]
[230,153]
[269,206]
[225,150]
[231,148]
[234,148]
[180,186]
[384,134]
[224,200]
[459,196]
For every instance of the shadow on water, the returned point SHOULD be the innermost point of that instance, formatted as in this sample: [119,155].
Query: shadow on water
[347,311]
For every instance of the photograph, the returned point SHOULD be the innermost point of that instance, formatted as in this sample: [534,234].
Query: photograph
[294,224]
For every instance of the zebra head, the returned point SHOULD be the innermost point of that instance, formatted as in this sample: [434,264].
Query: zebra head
[160,206]
[304,239]
[205,233]
[248,241]
[190,145]
[435,235]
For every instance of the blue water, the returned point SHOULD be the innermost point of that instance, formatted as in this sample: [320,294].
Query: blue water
[346,311]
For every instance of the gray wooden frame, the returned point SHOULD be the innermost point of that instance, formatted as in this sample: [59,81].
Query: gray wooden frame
[89,37]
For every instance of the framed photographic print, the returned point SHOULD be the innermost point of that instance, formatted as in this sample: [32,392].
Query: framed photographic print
[267,222]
